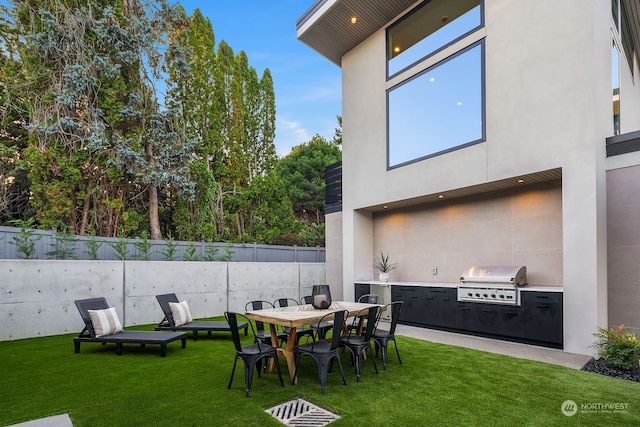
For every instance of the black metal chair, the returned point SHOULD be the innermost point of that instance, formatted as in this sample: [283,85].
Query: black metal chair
[324,352]
[359,344]
[367,299]
[301,331]
[382,338]
[322,328]
[252,354]
[262,334]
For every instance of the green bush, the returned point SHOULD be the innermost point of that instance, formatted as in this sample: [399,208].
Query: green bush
[618,346]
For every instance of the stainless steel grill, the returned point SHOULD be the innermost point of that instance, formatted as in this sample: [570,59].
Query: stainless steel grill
[495,285]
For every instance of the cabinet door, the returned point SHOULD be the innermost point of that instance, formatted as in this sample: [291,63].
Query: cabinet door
[543,316]
[510,322]
[466,316]
[447,308]
[410,309]
[429,299]
[361,289]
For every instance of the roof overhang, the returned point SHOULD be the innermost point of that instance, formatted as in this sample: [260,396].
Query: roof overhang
[326,27]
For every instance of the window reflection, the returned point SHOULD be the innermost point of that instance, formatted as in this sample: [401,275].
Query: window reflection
[438,110]
[615,85]
[428,29]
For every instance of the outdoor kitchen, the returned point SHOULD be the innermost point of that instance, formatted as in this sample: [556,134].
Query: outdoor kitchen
[490,301]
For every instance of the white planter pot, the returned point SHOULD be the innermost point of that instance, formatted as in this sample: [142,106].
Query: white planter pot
[384,277]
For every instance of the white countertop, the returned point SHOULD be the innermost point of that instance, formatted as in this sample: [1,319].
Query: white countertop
[453,285]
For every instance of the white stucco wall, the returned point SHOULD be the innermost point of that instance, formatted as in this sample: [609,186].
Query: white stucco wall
[548,105]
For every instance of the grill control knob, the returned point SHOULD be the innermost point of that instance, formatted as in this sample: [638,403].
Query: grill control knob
[484,295]
[502,296]
[493,295]
[478,295]
[469,294]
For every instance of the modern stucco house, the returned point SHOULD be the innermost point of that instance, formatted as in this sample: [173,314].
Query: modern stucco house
[490,132]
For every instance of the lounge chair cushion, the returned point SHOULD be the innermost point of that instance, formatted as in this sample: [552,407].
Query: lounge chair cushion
[180,312]
[105,322]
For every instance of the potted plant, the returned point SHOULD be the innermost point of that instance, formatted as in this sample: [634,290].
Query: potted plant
[383,266]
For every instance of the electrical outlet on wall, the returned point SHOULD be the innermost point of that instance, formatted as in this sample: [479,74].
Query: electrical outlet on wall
[434,270]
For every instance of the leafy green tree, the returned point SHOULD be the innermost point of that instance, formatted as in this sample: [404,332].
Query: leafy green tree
[192,96]
[94,118]
[302,172]
[268,210]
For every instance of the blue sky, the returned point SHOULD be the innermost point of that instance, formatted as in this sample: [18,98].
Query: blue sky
[307,86]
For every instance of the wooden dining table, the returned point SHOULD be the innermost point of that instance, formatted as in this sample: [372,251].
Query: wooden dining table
[293,317]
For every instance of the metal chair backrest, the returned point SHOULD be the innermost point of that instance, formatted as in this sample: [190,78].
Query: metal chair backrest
[396,308]
[232,320]
[285,302]
[307,299]
[258,305]
[371,316]
[370,299]
[338,318]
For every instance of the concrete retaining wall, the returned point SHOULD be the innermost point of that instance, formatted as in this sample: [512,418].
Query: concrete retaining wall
[37,296]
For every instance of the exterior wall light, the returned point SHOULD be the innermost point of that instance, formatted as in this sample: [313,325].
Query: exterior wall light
[354,19]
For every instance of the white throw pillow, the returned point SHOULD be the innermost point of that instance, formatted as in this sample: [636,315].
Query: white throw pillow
[105,322]
[180,313]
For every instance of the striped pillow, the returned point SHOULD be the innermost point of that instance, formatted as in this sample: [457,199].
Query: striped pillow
[180,313]
[105,322]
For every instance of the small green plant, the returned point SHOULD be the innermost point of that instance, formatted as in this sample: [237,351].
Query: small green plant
[121,246]
[144,247]
[25,240]
[211,253]
[190,252]
[618,346]
[383,265]
[228,253]
[93,245]
[63,247]
[169,251]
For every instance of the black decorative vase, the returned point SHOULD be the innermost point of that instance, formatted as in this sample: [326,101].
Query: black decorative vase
[321,296]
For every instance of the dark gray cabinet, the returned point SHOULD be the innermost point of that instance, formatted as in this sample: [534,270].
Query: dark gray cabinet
[361,289]
[412,309]
[439,307]
[426,306]
[543,316]
[539,318]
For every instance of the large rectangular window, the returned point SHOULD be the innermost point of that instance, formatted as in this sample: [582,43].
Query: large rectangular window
[428,29]
[438,110]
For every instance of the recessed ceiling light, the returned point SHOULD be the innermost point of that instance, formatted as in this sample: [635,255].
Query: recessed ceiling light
[386,207]
[440,196]
[354,19]
[520,181]
[396,49]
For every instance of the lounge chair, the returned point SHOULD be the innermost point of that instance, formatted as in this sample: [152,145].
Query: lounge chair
[106,328]
[170,323]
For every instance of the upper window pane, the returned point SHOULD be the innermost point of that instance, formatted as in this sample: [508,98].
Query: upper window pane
[428,29]
[438,110]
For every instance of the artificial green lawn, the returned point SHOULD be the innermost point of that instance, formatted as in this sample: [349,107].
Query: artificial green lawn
[436,385]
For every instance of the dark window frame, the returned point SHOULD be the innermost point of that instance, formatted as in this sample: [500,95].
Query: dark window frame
[431,54]
[483,138]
